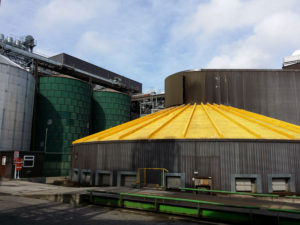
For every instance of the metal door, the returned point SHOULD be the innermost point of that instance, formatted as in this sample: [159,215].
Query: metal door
[3,166]
[173,182]
[128,180]
[280,184]
[105,180]
[245,184]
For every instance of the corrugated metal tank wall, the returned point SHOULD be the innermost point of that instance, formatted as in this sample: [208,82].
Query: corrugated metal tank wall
[219,159]
[273,93]
[109,108]
[17,88]
[63,116]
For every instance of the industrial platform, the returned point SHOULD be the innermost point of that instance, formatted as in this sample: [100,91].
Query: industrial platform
[228,207]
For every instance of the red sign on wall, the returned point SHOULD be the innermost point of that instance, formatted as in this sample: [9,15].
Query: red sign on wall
[16,154]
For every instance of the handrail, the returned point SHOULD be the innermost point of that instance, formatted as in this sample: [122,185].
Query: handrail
[122,201]
[187,200]
[229,192]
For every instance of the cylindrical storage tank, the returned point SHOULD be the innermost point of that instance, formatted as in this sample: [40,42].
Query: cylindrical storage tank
[109,108]
[221,144]
[272,93]
[16,106]
[63,116]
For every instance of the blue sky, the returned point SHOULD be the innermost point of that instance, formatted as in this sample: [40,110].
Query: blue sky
[147,40]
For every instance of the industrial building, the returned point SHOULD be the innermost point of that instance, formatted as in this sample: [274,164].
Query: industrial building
[235,130]
[46,103]
[273,93]
[16,106]
[144,104]
[109,108]
[17,88]
[293,61]
[223,129]
[121,83]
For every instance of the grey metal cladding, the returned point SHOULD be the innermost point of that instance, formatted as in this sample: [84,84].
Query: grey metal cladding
[91,68]
[218,159]
[16,108]
[273,93]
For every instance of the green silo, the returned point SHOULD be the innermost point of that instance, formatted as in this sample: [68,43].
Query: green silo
[109,108]
[63,114]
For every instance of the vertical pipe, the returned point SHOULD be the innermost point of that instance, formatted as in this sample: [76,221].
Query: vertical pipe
[138,177]
[46,134]
[144,176]
[163,177]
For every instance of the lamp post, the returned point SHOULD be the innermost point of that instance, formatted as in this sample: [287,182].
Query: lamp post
[49,122]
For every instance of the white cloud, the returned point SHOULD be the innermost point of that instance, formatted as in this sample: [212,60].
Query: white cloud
[59,14]
[151,39]
[15,16]
[217,16]
[265,47]
[93,42]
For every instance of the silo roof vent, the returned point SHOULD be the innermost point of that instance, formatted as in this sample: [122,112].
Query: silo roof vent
[293,59]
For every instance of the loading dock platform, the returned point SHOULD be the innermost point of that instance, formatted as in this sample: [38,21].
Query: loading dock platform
[231,209]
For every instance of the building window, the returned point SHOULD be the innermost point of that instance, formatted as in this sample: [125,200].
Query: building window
[28,161]
[3,161]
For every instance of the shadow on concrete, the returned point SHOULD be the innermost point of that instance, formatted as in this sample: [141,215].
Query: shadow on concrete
[56,213]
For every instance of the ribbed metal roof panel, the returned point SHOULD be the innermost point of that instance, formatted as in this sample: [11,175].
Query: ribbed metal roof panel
[199,121]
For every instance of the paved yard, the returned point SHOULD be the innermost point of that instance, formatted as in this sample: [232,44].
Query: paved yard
[27,211]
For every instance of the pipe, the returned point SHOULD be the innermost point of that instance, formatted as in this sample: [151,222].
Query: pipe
[57,64]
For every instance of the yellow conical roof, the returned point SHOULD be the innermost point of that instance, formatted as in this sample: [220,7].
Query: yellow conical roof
[199,121]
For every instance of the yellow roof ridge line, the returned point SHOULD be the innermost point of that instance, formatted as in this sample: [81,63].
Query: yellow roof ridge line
[117,129]
[147,123]
[168,121]
[234,121]
[200,121]
[258,122]
[112,130]
[214,125]
[275,122]
[189,121]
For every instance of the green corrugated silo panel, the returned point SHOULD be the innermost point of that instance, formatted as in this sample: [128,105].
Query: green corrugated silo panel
[59,100]
[109,108]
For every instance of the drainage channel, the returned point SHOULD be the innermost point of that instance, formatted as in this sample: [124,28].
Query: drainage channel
[204,210]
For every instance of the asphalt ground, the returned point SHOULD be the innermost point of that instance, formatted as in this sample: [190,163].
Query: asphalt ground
[16,210]
[30,189]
